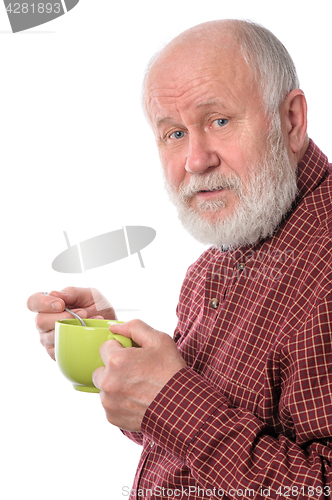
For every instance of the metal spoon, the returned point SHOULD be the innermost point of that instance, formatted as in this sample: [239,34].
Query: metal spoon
[71,312]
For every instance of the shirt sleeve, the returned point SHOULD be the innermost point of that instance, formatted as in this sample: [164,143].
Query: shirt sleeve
[230,449]
[137,437]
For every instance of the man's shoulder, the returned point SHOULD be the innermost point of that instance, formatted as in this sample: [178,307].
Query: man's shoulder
[318,204]
[315,192]
[205,260]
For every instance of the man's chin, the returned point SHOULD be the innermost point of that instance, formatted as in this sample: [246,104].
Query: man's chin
[204,226]
[213,215]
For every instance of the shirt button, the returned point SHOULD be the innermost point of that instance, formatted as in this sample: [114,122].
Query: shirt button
[241,266]
[214,303]
[152,444]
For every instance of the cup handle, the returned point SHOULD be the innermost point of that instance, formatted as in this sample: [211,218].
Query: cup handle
[124,341]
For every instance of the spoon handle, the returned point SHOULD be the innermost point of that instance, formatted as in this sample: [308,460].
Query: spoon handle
[76,316]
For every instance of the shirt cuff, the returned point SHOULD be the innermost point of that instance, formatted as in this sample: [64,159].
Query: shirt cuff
[182,407]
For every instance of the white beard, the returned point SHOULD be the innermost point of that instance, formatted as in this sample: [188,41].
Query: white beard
[270,190]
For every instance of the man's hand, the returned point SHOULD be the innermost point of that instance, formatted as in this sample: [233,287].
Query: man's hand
[86,302]
[132,377]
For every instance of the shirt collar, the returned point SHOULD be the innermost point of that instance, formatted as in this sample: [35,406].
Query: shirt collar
[312,170]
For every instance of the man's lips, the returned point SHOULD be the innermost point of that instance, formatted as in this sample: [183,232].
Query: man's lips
[205,193]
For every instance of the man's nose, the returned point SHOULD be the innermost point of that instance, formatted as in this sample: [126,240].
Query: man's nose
[201,155]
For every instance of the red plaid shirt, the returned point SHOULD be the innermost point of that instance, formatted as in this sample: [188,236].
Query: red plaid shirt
[251,415]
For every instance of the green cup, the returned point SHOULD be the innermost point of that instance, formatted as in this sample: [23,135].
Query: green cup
[77,349]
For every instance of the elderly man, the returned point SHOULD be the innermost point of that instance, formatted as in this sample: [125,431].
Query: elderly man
[240,403]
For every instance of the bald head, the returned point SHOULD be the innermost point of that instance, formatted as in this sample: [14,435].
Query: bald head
[214,35]
[197,47]
[267,59]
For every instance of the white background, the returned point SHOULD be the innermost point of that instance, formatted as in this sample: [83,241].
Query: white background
[77,155]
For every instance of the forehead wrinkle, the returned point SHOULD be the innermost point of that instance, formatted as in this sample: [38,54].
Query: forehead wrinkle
[210,102]
[186,105]
[160,120]
[177,91]
[161,97]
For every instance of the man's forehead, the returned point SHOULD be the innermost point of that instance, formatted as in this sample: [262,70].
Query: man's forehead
[173,76]
[197,89]
[172,67]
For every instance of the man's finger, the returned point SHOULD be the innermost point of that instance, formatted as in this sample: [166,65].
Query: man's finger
[96,376]
[141,333]
[46,322]
[38,302]
[107,348]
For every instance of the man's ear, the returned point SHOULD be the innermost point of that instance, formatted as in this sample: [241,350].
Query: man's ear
[294,120]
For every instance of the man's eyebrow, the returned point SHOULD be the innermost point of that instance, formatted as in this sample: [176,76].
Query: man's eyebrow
[211,102]
[164,119]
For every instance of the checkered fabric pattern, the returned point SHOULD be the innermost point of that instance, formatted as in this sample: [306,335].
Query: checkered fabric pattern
[251,415]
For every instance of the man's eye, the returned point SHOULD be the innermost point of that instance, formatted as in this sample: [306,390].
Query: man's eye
[221,122]
[177,135]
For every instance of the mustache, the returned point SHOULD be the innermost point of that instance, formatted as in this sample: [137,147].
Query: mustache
[209,182]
